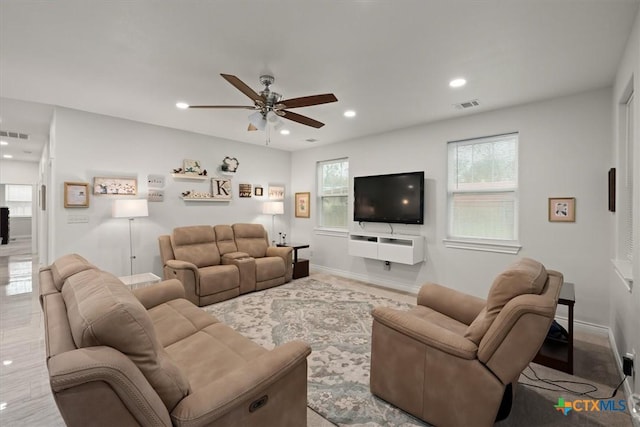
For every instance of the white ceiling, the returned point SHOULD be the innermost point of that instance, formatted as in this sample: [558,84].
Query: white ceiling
[389,60]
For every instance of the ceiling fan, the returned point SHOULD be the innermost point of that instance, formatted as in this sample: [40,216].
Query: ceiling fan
[269,105]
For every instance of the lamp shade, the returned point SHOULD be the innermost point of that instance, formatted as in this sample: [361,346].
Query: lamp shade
[130,208]
[258,120]
[273,208]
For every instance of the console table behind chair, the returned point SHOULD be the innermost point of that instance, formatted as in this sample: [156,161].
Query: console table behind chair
[558,354]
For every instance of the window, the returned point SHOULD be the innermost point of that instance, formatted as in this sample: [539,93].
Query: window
[483,190]
[333,190]
[18,199]
[624,203]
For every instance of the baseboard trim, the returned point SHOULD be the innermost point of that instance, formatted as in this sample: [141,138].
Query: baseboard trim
[410,289]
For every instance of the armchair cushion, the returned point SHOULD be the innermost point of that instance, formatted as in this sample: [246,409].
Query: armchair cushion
[103,311]
[195,244]
[525,276]
[218,278]
[269,268]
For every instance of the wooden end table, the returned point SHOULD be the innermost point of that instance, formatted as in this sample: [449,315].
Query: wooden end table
[558,354]
[300,266]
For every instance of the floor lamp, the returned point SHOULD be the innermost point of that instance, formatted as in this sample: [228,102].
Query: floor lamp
[273,209]
[130,208]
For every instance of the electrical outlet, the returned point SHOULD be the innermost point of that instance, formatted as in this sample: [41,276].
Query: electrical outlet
[627,364]
[387,265]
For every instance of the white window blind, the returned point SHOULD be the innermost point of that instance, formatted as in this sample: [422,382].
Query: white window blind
[18,199]
[483,188]
[333,191]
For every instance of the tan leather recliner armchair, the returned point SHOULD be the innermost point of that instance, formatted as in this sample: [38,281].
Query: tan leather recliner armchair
[451,359]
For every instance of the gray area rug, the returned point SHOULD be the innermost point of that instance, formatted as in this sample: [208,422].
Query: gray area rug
[336,322]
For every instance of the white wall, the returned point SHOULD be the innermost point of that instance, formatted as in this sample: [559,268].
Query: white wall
[564,152]
[625,305]
[88,145]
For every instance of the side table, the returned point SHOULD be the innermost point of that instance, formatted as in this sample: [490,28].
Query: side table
[558,354]
[300,266]
[139,280]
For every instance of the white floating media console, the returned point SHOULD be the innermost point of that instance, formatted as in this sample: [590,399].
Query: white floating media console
[403,249]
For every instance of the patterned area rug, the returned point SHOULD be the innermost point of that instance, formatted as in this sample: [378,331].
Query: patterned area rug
[335,320]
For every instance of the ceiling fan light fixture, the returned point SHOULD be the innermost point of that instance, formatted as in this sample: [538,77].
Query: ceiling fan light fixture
[182,105]
[258,120]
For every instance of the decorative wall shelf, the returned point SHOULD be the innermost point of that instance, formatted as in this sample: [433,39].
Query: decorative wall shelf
[189,176]
[203,199]
[398,248]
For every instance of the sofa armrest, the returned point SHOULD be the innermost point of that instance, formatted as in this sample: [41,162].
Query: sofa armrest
[450,302]
[159,293]
[286,253]
[426,332]
[106,367]
[188,274]
[204,406]
[234,256]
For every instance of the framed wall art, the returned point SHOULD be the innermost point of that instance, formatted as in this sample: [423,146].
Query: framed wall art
[276,192]
[258,191]
[562,209]
[76,195]
[244,190]
[303,201]
[119,186]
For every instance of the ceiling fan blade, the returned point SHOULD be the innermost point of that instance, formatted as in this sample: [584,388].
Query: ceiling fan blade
[306,101]
[243,87]
[251,127]
[301,119]
[245,107]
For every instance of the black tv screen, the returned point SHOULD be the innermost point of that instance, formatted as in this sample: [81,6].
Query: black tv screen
[395,198]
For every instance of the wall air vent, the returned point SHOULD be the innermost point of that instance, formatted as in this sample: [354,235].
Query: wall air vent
[10,134]
[467,104]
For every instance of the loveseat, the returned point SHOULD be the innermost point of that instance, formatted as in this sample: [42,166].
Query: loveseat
[215,263]
[149,357]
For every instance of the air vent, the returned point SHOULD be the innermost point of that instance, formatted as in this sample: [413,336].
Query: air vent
[467,104]
[311,140]
[11,134]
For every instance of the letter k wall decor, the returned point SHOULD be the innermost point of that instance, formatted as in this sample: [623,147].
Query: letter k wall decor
[221,188]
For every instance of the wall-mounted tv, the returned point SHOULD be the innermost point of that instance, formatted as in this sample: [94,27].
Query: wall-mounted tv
[395,198]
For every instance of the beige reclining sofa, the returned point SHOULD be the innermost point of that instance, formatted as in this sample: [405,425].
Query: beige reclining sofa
[152,358]
[216,263]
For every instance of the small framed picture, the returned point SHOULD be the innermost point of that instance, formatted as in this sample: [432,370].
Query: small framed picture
[191,167]
[244,190]
[303,201]
[76,195]
[562,209]
[120,186]
[276,192]
[258,191]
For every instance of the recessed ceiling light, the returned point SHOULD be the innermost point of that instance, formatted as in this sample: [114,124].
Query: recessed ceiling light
[7,362]
[285,132]
[4,143]
[182,105]
[349,113]
[457,82]
[8,156]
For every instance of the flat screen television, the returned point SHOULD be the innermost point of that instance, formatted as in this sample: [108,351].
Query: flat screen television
[394,198]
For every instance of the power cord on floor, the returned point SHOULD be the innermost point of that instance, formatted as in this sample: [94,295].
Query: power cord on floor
[557,384]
